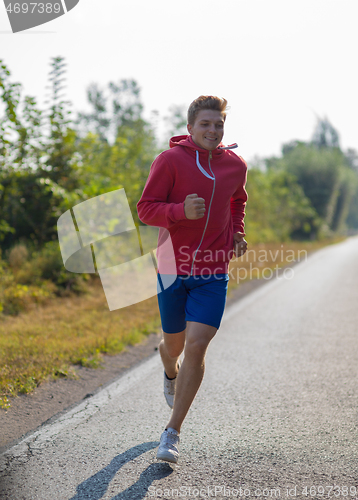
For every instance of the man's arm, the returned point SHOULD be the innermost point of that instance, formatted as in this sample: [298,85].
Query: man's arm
[153,207]
[237,205]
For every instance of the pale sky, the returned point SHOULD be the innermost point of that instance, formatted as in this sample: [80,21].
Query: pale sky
[279,63]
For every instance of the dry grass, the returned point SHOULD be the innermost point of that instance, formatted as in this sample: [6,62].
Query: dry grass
[46,341]
[49,339]
[263,261]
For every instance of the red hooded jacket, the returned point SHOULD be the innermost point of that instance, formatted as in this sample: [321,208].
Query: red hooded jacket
[201,246]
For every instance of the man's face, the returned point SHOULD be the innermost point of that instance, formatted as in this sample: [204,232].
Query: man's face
[208,129]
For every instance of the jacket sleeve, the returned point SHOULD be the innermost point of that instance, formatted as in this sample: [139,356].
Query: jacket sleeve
[238,203]
[153,207]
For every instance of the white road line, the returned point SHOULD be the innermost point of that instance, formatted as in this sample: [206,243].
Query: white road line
[85,409]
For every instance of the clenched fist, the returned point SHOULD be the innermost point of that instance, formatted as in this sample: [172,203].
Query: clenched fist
[240,244]
[194,207]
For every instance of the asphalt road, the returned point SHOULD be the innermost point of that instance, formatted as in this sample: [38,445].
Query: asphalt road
[276,415]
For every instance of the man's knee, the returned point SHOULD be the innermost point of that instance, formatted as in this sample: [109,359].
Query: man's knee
[174,351]
[173,344]
[196,347]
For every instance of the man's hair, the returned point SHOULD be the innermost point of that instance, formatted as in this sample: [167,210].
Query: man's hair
[206,102]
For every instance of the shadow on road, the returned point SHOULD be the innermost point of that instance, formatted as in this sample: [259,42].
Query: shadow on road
[96,486]
[139,489]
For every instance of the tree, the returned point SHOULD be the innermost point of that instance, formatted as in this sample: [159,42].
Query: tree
[113,108]
[277,208]
[352,217]
[60,162]
[37,163]
[325,135]
[19,150]
[175,123]
[327,175]
[351,156]
[320,172]
[116,144]
[347,189]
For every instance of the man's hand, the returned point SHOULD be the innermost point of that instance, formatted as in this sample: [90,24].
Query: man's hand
[240,245]
[194,207]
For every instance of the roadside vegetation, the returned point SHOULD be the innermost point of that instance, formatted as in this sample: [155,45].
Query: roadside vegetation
[51,319]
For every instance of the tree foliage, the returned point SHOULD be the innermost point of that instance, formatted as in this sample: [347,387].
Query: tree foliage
[319,172]
[175,123]
[325,135]
[327,175]
[50,162]
[37,162]
[116,144]
[277,208]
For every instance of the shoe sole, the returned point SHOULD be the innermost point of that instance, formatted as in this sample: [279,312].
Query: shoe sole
[167,458]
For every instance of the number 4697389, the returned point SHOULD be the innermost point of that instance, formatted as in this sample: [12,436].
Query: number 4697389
[31,7]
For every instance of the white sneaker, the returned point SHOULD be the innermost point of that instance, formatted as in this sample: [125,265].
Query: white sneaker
[169,446]
[169,389]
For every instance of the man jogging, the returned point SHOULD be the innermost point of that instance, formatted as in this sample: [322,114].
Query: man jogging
[196,191]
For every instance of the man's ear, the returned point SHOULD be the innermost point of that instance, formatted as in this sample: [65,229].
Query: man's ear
[189,128]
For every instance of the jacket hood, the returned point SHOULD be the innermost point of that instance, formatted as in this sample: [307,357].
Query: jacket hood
[187,141]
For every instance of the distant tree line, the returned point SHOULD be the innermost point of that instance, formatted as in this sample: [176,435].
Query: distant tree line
[312,189]
[50,161]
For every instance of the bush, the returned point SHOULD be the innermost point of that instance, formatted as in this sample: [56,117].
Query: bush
[16,298]
[26,281]
[18,256]
[47,265]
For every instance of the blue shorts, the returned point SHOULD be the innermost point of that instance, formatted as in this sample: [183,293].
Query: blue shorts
[192,298]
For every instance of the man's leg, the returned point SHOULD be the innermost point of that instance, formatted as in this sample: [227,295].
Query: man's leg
[170,348]
[198,337]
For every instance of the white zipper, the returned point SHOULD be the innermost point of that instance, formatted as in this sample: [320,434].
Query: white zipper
[211,200]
